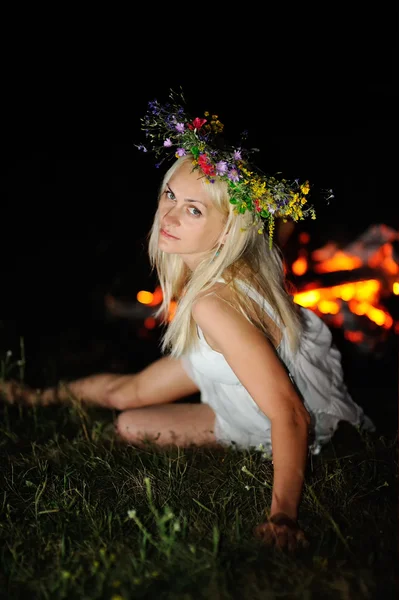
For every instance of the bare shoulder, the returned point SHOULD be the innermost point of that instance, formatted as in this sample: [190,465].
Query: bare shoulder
[214,301]
[221,322]
[219,307]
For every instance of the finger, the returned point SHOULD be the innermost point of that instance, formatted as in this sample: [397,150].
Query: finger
[301,539]
[282,538]
[264,533]
[292,544]
[261,529]
[274,536]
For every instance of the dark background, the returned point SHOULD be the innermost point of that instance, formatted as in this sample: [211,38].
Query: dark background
[319,100]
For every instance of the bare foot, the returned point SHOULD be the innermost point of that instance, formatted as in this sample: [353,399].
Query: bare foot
[14,392]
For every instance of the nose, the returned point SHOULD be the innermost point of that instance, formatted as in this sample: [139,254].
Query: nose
[171,217]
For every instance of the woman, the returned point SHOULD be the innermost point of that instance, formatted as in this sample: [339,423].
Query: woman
[267,371]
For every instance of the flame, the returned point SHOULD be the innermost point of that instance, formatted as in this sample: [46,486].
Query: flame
[383,258]
[172,310]
[150,298]
[362,298]
[150,323]
[144,297]
[339,262]
[153,299]
[300,265]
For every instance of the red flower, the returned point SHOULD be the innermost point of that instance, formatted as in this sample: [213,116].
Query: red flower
[206,166]
[197,123]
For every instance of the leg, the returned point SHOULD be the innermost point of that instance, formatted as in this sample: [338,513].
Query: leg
[165,380]
[174,424]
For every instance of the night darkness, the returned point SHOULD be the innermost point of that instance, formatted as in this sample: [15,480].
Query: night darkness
[80,197]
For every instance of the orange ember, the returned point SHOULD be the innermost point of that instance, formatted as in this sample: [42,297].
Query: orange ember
[362,298]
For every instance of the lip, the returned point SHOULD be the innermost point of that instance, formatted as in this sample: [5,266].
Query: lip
[168,235]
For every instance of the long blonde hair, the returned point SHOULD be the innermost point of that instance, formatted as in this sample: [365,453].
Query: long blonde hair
[245,256]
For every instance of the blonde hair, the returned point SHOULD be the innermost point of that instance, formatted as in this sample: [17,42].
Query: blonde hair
[246,256]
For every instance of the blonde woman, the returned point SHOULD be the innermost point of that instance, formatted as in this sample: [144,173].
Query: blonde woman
[267,371]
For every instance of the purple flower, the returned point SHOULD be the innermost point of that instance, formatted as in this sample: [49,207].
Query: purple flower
[181,152]
[167,143]
[170,121]
[179,127]
[221,167]
[154,107]
[141,147]
[233,175]
[237,155]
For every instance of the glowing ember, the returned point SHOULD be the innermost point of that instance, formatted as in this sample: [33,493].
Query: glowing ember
[145,297]
[339,262]
[360,297]
[344,304]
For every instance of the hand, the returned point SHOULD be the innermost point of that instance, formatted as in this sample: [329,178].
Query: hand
[281,532]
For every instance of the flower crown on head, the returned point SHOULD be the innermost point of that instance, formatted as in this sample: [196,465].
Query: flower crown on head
[169,127]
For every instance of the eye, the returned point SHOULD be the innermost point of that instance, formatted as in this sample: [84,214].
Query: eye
[169,194]
[198,213]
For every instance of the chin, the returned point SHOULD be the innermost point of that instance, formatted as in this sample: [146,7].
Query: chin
[166,246]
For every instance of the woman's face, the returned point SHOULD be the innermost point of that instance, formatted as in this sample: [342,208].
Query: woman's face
[190,225]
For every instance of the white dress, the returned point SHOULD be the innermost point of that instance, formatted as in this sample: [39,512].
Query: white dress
[315,369]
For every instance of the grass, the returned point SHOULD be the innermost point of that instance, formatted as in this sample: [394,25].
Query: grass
[84,516]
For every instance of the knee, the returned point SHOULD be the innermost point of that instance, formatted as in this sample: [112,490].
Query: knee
[132,426]
[128,427]
[124,427]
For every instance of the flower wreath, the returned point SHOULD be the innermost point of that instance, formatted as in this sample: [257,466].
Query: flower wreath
[169,127]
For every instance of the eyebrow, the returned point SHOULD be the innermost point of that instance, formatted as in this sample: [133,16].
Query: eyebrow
[188,199]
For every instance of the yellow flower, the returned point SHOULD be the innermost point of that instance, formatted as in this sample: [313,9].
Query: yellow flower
[305,188]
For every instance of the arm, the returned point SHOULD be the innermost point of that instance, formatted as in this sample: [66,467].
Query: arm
[256,364]
[290,444]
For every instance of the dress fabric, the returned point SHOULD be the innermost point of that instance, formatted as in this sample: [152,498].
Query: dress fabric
[315,370]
